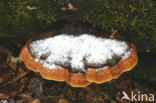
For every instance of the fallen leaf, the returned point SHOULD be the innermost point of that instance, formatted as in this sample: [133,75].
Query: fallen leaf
[13,65]
[31,7]
[36,101]
[64,9]
[62,100]
[5,75]
[4,95]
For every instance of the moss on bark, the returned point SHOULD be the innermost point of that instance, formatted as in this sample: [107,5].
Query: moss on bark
[133,19]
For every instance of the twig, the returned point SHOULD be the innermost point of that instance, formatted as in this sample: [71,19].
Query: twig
[15,79]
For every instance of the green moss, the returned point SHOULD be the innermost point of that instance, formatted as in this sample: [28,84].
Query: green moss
[133,19]
[17,20]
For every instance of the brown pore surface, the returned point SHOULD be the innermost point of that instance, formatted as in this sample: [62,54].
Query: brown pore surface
[97,75]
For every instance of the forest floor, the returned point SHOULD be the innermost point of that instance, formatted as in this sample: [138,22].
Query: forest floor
[20,85]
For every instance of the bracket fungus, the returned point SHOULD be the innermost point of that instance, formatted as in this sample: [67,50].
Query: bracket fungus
[79,60]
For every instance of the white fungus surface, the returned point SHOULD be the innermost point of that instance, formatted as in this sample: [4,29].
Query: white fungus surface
[68,49]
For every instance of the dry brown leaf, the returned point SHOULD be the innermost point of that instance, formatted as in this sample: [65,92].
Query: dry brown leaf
[63,101]
[5,75]
[4,95]
[70,6]
[13,65]
[31,7]
[26,98]
[64,9]
[36,101]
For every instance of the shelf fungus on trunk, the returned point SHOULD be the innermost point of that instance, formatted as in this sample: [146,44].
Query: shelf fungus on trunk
[79,60]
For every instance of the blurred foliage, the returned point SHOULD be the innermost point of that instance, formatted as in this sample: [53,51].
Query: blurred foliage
[133,19]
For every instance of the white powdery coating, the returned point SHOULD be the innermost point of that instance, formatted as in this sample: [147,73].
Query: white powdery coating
[74,49]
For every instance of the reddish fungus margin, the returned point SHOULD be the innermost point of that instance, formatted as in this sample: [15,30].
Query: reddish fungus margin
[97,75]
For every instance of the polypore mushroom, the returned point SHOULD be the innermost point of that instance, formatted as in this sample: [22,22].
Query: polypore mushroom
[79,60]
